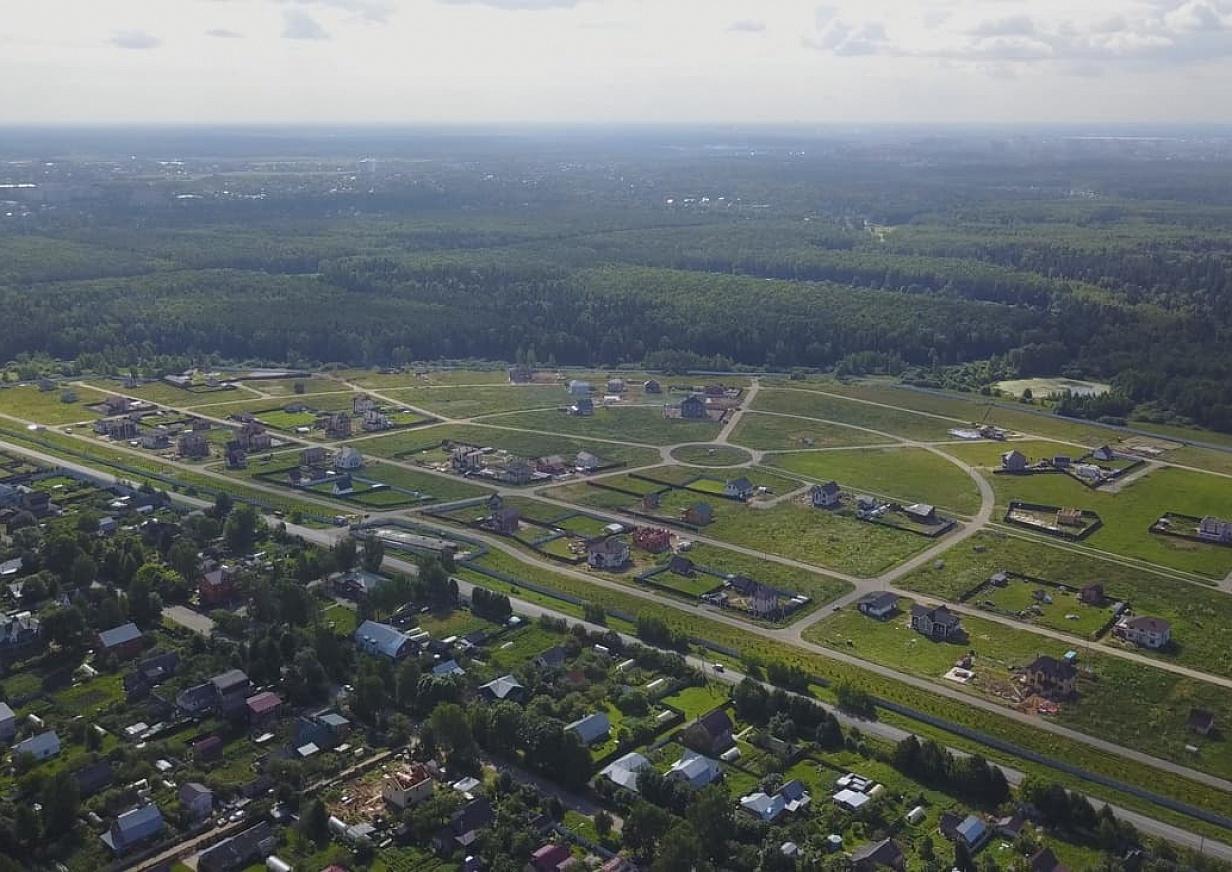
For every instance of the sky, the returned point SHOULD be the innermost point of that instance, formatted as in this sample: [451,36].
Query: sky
[615,61]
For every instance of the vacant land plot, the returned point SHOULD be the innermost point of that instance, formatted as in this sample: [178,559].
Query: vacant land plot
[711,455]
[631,424]
[467,402]
[48,407]
[1201,618]
[405,445]
[1128,514]
[810,404]
[286,387]
[827,539]
[906,474]
[775,433]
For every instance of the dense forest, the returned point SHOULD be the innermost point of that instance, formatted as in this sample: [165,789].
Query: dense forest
[917,256]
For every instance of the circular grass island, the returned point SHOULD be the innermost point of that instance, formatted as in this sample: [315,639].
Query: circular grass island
[711,455]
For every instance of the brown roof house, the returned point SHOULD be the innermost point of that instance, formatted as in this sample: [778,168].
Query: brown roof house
[710,734]
[1051,677]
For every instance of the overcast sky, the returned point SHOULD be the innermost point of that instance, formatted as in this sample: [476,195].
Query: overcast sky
[615,60]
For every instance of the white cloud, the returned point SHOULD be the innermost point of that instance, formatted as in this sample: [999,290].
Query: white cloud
[377,11]
[516,5]
[297,24]
[223,33]
[747,25]
[135,39]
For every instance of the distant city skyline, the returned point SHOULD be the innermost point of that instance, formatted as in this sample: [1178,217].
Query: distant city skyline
[615,61]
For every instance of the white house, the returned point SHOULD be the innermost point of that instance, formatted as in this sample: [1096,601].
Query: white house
[348,458]
[591,729]
[1145,631]
[408,786]
[695,770]
[40,747]
[625,771]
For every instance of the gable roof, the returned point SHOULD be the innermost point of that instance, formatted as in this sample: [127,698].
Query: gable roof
[740,484]
[133,826]
[879,599]
[625,771]
[119,635]
[381,638]
[695,769]
[1149,624]
[1044,860]
[501,688]
[883,853]
[939,615]
[264,702]
[226,682]
[1052,668]
[716,723]
[591,728]
[237,850]
[39,745]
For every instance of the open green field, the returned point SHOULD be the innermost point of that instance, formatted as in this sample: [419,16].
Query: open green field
[381,381]
[467,402]
[691,586]
[1160,700]
[906,474]
[582,494]
[261,406]
[1128,514]
[518,647]
[1202,458]
[286,387]
[712,482]
[44,407]
[779,433]
[401,445]
[638,424]
[1201,617]
[830,540]
[811,404]
[711,455]
[443,488]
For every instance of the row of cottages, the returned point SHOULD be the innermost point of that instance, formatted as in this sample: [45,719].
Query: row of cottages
[1214,529]
[1145,631]
[825,496]
[938,624]
[609,553]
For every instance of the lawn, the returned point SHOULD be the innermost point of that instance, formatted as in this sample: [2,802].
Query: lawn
[583,494]
[711,455]
[262,406]
[775,432]
[344,620]
[810,404]
[516,648]
[909,475]
[1201,617]
[695,586]
[631,424]
[467,402]
[169,395]
[45,407]
[583,525]
[381,381]
[282,420]
[286,387]
[697,701]
[827,539]
[442,488]
[1127,515]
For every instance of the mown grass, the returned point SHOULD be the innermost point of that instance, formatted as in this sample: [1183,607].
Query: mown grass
[45,407]
[811,404]
[711,455]
[777,433]
[906,474]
